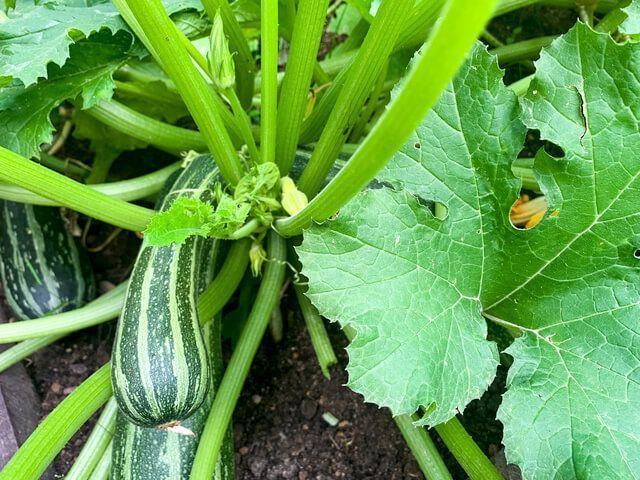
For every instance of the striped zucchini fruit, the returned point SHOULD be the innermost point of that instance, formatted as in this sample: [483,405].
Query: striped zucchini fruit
[141,453]
[160,368]
[42,269]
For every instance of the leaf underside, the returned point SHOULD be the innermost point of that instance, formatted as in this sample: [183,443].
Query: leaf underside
[413,286]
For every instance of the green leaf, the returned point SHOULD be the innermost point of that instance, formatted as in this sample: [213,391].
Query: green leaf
[573,283]
[408,283]
[186,217]
[631,25]
[38,34]
[24,112]
[570,286]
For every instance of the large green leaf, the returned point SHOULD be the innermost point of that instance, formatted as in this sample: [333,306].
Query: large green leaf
[573,405]
[409,283]
[24,112]
[631,25]
[35,35]
[570,286]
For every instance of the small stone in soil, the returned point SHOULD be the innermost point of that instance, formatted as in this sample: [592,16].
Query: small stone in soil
[256,399]
[257,466]
[308,408]
[56,387]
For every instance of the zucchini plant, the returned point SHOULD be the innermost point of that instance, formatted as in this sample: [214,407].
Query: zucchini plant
[448,216]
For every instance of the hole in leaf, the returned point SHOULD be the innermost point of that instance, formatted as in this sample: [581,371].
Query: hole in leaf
[417,146]
[636,254]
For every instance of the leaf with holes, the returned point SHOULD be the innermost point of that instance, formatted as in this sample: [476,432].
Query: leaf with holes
[414,287]
[409,283]
[572,285]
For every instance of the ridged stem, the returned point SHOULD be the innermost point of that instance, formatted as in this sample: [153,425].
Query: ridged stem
[96,444]
[220,290]
[101,310]
[198,95]
[269,72]
[125,190]
[161,135]
[370,61]
[451,39]
[20,171]
[319,337]
[423,449]
[305,41]
[42,446]
[240,363]
[467,453]
[244,64]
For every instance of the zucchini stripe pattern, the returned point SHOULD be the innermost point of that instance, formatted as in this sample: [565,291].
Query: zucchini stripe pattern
[160,367]
[42,270]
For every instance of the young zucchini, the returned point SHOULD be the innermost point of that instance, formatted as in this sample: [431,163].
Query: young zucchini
[141,453]
[160,367]
[42,269]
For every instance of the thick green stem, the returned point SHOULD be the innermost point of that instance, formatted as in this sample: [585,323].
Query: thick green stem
[101,310]
[525,50]
[423,449]
[126,190]
[103,469]
[363,73]
[305,41]
[141,127]
[220,290]
[63,166]
[269,71]
[244,62]
[467,453]
[198,95]
[20,171]
[450,41]
[96,444]
[370,108]
[318,333]
[42,446]
[238,368]
[22,350]
[245,125]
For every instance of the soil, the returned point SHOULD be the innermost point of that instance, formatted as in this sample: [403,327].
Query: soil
[279,430]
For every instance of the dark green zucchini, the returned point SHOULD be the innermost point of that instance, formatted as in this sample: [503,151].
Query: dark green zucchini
[141,453]
[42,269]
[160,367]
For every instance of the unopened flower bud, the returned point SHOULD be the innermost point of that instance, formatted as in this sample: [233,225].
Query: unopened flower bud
[220,59]
[257,256]
[293,200]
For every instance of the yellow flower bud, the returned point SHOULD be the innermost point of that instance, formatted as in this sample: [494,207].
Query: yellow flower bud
[293,200]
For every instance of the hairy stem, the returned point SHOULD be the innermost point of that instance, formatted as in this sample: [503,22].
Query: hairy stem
[423,449]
